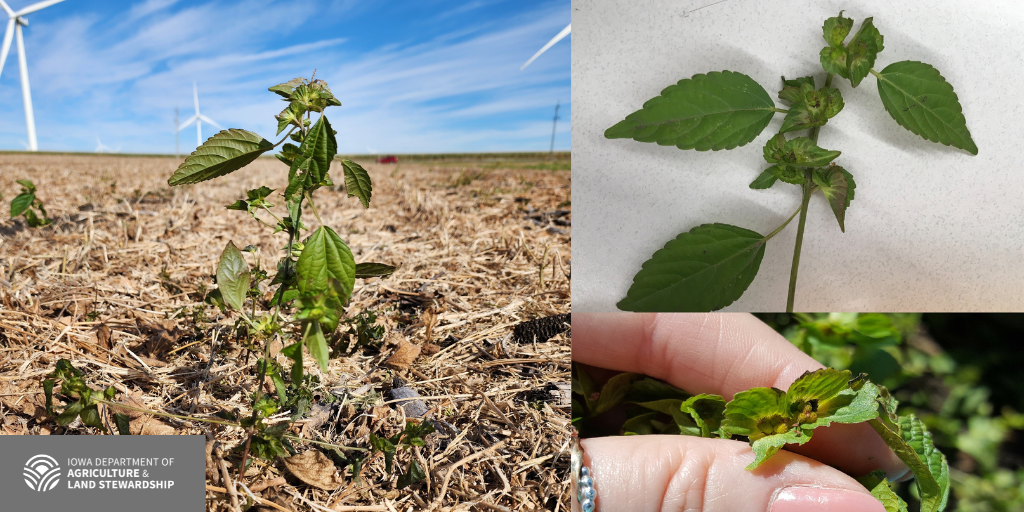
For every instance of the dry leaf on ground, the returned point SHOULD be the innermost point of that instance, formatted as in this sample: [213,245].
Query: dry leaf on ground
[314,468]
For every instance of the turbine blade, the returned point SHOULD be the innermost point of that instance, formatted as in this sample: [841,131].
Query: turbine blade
[7,43]
[6,8]
[565,31]
[195,96]
[35,7]
[187,122]
[211,121]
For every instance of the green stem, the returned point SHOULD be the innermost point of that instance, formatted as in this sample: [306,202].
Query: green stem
[780,228]
[780,111]
[807,189]
[285,137]
[313,206]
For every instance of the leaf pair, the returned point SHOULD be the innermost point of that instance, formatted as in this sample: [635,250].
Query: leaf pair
[852,61]
[87,399]
[808,107]
[24,202]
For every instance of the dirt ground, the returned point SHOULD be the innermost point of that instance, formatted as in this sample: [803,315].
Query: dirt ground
[116,285]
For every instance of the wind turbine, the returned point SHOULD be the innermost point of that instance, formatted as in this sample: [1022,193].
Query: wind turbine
[565,31]
[14,25]
[100,148]
[198,118]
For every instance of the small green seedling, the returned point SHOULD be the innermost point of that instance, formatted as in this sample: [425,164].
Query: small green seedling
[315,275]
[770,418]
[412,436]
[26,202]
[710,266]
[83,400]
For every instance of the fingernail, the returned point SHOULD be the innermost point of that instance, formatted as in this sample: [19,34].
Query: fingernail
[814,499]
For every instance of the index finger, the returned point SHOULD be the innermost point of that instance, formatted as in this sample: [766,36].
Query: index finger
[723,354]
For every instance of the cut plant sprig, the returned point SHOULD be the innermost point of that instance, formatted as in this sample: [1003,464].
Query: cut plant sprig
[712,265]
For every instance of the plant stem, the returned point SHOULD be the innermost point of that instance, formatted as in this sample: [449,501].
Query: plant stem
[780,111]
[799,241]
[313,206]
[808,188]
[783,226]
[285,137]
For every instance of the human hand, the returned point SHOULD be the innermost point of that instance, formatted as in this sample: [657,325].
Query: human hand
[720,354]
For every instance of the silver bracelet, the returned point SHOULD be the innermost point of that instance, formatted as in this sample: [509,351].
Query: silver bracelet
[583,482]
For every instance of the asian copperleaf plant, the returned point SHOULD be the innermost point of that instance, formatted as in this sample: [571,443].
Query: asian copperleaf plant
[770,418]
[710,266]
[317,270]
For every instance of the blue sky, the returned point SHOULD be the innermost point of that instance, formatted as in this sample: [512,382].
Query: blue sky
[417,76]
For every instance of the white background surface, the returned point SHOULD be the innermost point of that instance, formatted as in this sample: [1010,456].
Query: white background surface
[932,228]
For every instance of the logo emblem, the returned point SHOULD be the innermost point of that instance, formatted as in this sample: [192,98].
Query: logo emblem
[42,473]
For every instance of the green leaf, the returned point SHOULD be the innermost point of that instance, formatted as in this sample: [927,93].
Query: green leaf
[922,101]
[719,110]
[832,182]
[933,494]
[224,153]
[413,475]
[70,413]
[648,389]
[21,203]
[320,147]
[684,422]
[913,431]
[233,276]
[259,193]
[862,50]
[834,60]
[814,108]
[614,391]
[29,186]
[799,152]
[286,88]
[836,29]
[756,413]
[792,89]
[765,180]
[767,446]
[238,205]
[122,421]
[317,345]
[48,392]
[704,269]
[367,270]
[357,182]
[879,487]
[820,385]
[326,255]
[788,174]
[91,417]
[292,114]
[707,411]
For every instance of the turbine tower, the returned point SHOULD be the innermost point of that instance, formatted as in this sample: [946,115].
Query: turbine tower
[14,25]
[197,118]
[565,31]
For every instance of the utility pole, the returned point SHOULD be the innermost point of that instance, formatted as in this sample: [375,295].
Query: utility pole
[554,124]
[176,152]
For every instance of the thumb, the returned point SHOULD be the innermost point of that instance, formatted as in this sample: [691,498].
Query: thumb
[652,473]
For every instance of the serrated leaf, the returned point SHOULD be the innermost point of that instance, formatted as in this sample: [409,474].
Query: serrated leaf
[704,269]
[258,193]
[922,101]
[648,389]
[767,446]
[764,180]
[788,174]
[862,50]
[70,413]
[757,412]
[933,495]
[414,474]
[233,276]
[224,153]
[834,60]
[320,147]
[357,182]
[913,431]
[719,110]
[21,203]
[707,412]
[325,255]
[813,108]
[286,88]
[791,89]
[123,423]
[889,499]
[798,152]
[848,406]
[820,385]
[317,344]
[367,270]
[91,417]
[238,205]
[836,29]
[832,182]
[614,392]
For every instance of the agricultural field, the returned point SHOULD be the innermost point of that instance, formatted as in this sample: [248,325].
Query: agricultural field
[120,285]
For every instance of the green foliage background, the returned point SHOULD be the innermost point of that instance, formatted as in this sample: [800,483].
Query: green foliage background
[960,373]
